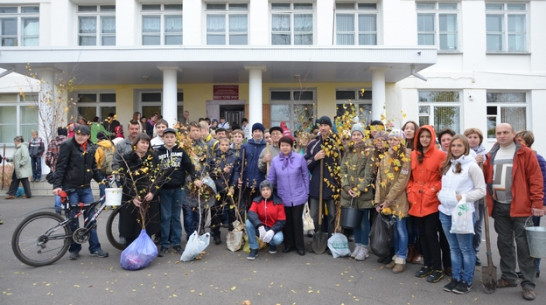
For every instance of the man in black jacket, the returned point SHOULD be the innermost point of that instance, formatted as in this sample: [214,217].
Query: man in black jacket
[75,168]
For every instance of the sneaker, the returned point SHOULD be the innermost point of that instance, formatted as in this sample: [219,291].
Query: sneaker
[528,294]
[252,255]
[362,254]
[478,261]
[423,272]
[451,285]
[74,256]
[462,288]
[9,197]
[355,251]
[435,276]
[162,252]
[178,249]
[272,249]
[503,283]
[99,253]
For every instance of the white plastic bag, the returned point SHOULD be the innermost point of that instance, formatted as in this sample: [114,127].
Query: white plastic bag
[339,245]
[462,221]
[196,244]
[308,224]
[234,238]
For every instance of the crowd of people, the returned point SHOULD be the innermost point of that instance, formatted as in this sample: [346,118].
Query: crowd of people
[415,175]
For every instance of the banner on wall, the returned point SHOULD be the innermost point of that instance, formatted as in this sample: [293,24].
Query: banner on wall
[225,92]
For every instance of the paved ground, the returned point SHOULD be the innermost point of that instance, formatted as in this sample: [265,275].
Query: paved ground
[221,277]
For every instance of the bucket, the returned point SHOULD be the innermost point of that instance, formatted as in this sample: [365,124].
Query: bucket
[351,217]
[113,196]
[536,239]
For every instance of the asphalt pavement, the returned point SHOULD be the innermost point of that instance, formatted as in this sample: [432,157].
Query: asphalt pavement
[222,277]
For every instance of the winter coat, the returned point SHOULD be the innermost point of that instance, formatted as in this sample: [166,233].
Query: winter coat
[141,181]
[267,212]
[218,162]
[76,166]
[175,163]
[21,161]
[356,172]
[291,177]
[426,180]
[331,161]
[391,183]
[469,183]
[527,182]
[252,177]
[36,147]
[122,148]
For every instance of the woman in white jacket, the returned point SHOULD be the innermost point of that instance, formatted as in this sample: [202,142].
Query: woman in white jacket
[462,179]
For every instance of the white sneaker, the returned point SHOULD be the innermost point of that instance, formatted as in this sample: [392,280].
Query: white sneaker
[362,254]
[356,250]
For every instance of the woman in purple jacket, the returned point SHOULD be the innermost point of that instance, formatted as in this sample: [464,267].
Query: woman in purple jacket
[289,173]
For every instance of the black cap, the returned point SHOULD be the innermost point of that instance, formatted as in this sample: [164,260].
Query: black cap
[82,129]
[169,130]
[325,120]
[275,128]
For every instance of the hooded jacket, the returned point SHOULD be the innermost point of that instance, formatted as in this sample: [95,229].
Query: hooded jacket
[21,161]
[426,179]
[291,177]
[267,212]
[176,163]
[391,183]
[252,177]
[357,171]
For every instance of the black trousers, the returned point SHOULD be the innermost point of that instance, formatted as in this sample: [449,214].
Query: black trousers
[293,230]
[429,239]
[15,184]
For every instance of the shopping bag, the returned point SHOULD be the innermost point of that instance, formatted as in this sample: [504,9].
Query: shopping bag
[339,245]
[462,218]
[381,235]
[196,244]
[234,239]
[139,254]
[308,224]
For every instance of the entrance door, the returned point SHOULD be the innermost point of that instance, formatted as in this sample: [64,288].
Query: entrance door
[233,114]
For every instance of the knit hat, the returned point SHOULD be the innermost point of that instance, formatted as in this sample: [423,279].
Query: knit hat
[267,184]
[325,120]
[397,133]
[82,129]
[357,127]
[381,135]
[101,136]
[257,126]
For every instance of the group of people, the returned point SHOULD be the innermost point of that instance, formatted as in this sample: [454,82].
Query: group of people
[268,176]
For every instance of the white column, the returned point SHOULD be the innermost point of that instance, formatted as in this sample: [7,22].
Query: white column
[169,104]
[255,94]
[378,92]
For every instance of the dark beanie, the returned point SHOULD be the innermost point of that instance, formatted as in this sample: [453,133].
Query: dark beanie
[259,126]
[286,139]
[101,135]
[325,120]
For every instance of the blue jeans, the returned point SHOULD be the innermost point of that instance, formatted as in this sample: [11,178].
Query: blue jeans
[251,231]
[191,219]
[362,233]
[463,255]
[58,207]
[36,163]
[171,206]
[400,237]
[86,196]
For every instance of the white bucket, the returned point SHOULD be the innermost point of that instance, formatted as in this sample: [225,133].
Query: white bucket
[536,238]
[113,196]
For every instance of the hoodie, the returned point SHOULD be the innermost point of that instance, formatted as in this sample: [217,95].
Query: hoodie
[176,163]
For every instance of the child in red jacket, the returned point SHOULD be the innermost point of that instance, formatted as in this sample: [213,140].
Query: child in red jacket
[265,217]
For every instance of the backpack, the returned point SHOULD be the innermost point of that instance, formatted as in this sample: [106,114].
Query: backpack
[106,166]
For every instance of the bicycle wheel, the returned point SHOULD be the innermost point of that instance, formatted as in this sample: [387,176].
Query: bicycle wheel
[112,230]
[40,239]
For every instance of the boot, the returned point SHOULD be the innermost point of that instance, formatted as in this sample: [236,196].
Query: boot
[391,264]
[417,258]
[411,253]
[399,265]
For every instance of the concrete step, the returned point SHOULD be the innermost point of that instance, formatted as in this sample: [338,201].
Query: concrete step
[43,188]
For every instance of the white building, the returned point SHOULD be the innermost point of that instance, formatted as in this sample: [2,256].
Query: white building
[457,64]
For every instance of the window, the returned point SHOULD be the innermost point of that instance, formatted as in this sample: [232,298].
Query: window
[356,101]
[506,27]
[291,23]
[295,107]
[227,24]
[437,25]
[161,24]
[18,116]
[97,25]
[440,109]
[91,105]
[19,26]
[356,24]
[506,107]
[150,103]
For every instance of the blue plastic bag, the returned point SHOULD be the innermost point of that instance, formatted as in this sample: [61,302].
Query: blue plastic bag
[139,254]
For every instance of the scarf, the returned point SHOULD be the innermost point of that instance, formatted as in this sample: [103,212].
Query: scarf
[286,160]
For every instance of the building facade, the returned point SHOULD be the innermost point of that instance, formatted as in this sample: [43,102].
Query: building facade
[456,64]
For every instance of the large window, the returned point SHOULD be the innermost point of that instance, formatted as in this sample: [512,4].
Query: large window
[356,23]
[96,25]
[441,109]
[227,24]
[19,26]
[162,24]
[354,101]
[437,25]
[150,103]
[94,104]
[295,107]
[506,25]
[18,116]
[291,23]
[506,107]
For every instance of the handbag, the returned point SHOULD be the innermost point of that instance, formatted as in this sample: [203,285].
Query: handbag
[308,224]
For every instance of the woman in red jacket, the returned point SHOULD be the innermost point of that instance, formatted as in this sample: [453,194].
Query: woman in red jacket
[424,184]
